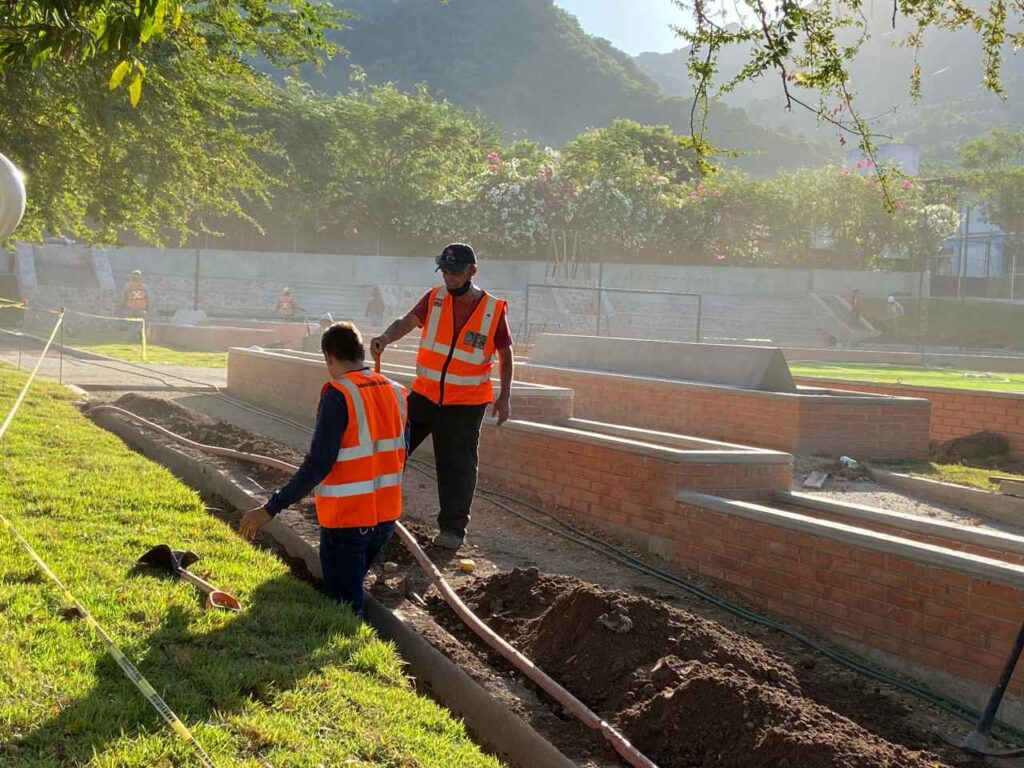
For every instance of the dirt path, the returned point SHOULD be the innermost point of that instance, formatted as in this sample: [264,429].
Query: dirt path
[523,572]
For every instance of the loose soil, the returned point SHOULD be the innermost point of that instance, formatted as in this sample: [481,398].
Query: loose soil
[687,689]
[684,690]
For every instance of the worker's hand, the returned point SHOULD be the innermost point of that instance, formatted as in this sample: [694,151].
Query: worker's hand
[377,346]
[252,521]
[502,409]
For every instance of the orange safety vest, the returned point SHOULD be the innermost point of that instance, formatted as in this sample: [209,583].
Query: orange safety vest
[137,297]
[364,487]
[286,306]
[457,371]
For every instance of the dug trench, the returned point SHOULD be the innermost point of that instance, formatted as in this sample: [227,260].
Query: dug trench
[687,690]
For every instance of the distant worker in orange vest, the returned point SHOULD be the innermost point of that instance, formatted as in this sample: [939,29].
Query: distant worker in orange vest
[136,296]
[135,299]
[286,304]
[464,328]
[354,467]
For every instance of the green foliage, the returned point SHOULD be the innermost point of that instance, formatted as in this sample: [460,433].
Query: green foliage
[528,65]
[34,33]
[808,51]
[994,168]
[97,167]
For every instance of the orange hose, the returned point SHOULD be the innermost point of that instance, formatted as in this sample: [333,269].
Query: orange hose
[582,712]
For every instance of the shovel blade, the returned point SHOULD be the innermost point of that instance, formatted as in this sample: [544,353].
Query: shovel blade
[170,560]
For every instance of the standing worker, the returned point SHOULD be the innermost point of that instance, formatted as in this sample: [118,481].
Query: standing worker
[355,464]
[286,304]
[135,299]
[894,312]
[463,328]
[856,312]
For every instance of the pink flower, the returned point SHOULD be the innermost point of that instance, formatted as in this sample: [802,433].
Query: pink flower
[901,206]
[907,184]
[494,157]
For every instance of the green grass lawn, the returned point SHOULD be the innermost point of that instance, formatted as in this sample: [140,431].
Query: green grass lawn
[920,376]
[294,680]
[155,354]
[973,477]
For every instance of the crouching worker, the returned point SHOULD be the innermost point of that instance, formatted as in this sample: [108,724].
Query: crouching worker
[354,463]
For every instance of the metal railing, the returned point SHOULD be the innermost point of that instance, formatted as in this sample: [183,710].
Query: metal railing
[601,318]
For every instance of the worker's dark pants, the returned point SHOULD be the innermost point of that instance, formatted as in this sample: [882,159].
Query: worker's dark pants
[346,554]
[456,433]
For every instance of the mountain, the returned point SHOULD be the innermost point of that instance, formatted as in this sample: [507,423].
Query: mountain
[529,65]
[953,107]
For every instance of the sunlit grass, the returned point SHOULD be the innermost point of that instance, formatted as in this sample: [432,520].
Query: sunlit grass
[914,376]
[294,680]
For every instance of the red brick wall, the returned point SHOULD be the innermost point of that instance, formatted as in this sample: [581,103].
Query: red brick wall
[293,386]
[934,616]
[956,412]
[869,429]
[630,493]
[785,423]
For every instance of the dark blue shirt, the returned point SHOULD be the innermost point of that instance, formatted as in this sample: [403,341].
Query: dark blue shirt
[331,423]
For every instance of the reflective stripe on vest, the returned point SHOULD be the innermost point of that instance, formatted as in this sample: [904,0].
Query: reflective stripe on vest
[457,368]
[364,486]
[137,298]
[359,489]
[461,381]
[367,446]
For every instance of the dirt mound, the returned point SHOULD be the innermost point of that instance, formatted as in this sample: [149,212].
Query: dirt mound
[164,412]
[202,429]
[716,717]
[606,642]
[980,445]
[686,691]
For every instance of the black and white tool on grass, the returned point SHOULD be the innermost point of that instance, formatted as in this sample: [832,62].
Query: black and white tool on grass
[176,562]
[976,742]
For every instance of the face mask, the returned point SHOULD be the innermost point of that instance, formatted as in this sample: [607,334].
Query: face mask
[466,288]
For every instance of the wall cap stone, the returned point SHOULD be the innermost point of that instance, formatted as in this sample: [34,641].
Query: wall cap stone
[927,554]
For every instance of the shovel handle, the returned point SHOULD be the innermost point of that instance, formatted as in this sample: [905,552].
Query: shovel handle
[215,598]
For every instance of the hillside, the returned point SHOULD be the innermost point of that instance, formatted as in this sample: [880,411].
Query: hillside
[531,67]
[953,106]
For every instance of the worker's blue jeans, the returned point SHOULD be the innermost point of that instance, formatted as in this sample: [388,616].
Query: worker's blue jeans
[346,554]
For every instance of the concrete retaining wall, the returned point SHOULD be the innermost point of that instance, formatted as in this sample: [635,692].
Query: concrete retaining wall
[750,367]
[809,422]
[509,274]
[208,338]
[955,412]
[219,338]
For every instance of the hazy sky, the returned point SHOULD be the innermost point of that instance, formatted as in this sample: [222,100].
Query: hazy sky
[632,25]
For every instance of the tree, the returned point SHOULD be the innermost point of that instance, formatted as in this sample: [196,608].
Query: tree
[401,154]
[994,168]
[807,48]
[34,33]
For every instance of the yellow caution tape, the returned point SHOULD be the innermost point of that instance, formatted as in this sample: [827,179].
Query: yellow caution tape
[129,669]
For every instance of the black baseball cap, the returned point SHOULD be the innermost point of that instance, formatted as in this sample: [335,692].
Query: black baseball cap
[456,257]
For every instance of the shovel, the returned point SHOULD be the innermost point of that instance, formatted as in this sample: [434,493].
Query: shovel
[175,562]
[976,742]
